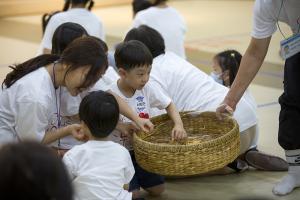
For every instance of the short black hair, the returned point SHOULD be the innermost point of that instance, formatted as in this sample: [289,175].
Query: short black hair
[139,5]
[64,35]
[100,112]
[132,54]
[150,37]
[30,170]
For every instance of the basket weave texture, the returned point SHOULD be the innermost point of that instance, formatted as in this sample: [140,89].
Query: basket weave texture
[211,145]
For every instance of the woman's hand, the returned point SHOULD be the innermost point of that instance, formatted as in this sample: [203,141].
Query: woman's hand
[223,110]
[77,132]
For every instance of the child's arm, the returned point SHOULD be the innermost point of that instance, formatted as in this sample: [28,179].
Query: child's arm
[144,124]
[178,131]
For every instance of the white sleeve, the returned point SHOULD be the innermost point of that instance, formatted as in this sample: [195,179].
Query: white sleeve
[264,20]
[70,165]
[49,31]
[157,97]
[129,169]
[31,120]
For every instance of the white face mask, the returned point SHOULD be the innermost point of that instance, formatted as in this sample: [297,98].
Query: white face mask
[216,77]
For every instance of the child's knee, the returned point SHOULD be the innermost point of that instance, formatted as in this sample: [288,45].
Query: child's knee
[156,190]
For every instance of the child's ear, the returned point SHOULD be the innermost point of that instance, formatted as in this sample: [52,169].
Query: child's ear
[122,72]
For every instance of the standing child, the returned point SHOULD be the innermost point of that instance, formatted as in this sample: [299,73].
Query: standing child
[99,168]
[134,62]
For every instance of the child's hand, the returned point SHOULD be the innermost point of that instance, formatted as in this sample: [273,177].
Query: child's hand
[126,129]
[178,133]
[144,125]
[77,132]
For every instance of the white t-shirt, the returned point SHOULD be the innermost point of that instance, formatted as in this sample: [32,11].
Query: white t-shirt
[141,102]
[168,22]
[99,170]
[26,107]
[89,21]
[70,105]
[267,12]
[192,89]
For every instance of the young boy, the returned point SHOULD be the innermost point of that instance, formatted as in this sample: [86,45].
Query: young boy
[99,168]
[134,60]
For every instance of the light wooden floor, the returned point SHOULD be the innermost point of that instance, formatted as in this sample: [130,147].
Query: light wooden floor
[212,26]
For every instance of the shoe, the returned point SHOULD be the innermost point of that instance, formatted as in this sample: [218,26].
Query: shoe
[265,162]
[238,165]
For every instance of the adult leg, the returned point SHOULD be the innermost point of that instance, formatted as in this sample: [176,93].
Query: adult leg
[289,125]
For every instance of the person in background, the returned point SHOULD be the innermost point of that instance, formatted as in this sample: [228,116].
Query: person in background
[75,11]
[167,21]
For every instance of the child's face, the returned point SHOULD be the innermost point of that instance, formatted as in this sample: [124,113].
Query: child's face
[137,77]
[216,67]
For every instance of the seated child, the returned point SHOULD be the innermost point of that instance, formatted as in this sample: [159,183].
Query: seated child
[134,60]
[99,168]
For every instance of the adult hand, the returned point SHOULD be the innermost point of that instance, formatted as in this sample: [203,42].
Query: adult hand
[224,110]
[126,129]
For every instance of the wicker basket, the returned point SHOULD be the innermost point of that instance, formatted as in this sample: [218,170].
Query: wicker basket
[211,145]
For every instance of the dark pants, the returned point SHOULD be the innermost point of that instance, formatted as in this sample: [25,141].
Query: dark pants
[289,118]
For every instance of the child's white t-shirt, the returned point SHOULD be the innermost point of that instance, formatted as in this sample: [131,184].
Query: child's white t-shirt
[89,21]
[168,22]
[192,89]
[99,170]
[26,107]
[141,102]
[267,12]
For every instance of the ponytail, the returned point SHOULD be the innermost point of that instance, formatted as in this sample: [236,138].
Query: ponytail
[28,66]
[91,5]
[67,5]
[47,16]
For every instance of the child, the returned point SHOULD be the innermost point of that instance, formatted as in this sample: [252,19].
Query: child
[77,14]
[167,21]
[225,67]
[99,168]
[31,171]
[134,61]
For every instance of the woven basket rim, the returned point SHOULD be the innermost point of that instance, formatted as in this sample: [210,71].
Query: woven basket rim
[192,146]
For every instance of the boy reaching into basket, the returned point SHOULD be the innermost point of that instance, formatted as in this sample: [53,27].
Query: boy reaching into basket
[134,60]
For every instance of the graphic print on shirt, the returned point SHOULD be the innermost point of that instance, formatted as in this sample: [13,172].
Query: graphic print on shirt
[141,107]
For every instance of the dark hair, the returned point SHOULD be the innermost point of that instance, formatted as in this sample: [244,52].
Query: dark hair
[229,60]
[139,5]
[31,171]
[76,2]
[150,37]
[64,35]
[82,52]
[47,16]
[132,54]
[100,112]
[157,2]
